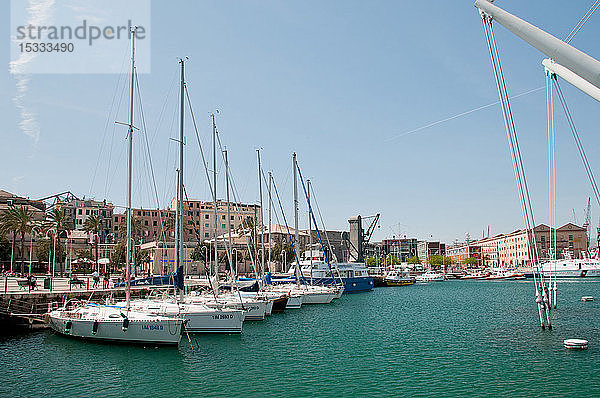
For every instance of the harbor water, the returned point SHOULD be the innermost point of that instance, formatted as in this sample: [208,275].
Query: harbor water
[453,338]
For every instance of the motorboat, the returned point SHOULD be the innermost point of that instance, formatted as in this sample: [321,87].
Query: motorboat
[572,268]
[314,270]
[502,273]
[91,321]
[398,277]
[430,276]
[475,275]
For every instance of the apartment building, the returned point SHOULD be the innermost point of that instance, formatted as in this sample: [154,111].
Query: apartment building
[513,249]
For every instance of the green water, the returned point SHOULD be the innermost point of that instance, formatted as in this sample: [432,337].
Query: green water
[456,338]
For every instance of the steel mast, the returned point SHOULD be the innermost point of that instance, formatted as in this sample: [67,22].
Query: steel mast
[129,175]
[296,235]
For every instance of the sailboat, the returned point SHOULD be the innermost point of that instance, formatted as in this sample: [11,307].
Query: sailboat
[199,318]
[120,324]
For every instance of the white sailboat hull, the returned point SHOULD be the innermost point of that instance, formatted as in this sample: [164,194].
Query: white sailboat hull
[160,331]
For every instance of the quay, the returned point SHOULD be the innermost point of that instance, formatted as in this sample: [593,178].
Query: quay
[22,308]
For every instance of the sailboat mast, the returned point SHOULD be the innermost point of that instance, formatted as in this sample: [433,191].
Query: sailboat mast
[214,128]
[269,262]
[262,231]
[233,276]
[129,174]
[309,231]
[296,238]
[180,187]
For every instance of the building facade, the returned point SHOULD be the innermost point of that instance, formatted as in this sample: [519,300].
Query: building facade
[199,218]
[150,225]
[78,211]
[514,249]
[426,249]
[461,251]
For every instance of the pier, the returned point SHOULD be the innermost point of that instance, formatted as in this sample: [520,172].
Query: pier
[22,308]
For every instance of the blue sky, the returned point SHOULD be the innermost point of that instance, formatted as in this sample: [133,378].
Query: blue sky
[339,82]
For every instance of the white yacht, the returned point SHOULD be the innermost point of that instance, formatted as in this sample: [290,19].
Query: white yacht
[572,268]
[254,309]
[115,324]
[199,318]
[430,276]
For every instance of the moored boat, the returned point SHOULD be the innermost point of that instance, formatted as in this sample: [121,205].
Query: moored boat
[92,321]
[430,276]
[398,278]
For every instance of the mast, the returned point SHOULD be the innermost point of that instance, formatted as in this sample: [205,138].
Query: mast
[309,231]
[233,276]
[129,174]
[262,234]
[296,238]
[214,129]
[180,187]
[270,178]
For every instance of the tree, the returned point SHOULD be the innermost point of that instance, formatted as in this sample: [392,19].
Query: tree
[117,258]
[60,222]
[93,224]
[438,260]
[18,220]
[470,261]
[413,260]
[370,261]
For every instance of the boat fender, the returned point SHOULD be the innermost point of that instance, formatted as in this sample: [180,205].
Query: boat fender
[95,327]
[68,326]
[125,324]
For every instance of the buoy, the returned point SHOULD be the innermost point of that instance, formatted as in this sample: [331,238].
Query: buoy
[587,298]
[575,344]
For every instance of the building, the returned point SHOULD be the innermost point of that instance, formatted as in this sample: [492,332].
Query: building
[199,218]
[78,211]
[402,248]
[147,226]
[37,208]
[426,249]
[513,249]
[459,252]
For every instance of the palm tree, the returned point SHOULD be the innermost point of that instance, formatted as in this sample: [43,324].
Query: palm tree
[93,224]
[19,221]
[60,222]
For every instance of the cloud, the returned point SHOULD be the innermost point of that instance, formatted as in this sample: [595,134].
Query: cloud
[39,14]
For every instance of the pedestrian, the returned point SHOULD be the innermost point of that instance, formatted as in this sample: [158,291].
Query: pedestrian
[106,280]
[96,277]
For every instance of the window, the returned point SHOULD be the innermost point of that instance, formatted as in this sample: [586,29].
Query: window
[87,212]
[146,222]
[80,212]
[223,226]
[230,226]
[206,216]
[205,225]
[190,231]
[570,237]
[206,234]
[223,216]
[231,218]
[154,223]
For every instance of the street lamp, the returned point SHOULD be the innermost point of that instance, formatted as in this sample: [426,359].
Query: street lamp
[31,246]
[284,255]
[53,251]
[234,253]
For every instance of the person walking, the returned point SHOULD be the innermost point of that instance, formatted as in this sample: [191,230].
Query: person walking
[96,277]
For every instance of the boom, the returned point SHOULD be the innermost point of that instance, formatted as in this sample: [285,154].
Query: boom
[576,61]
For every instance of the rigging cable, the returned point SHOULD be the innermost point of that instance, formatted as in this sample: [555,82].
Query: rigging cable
[527,210]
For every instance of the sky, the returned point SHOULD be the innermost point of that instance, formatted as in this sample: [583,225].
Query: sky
[344,84]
